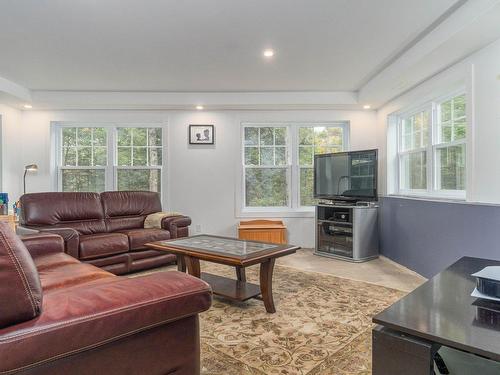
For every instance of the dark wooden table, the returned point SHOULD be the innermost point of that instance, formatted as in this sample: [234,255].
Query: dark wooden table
[231,252]
[439,312]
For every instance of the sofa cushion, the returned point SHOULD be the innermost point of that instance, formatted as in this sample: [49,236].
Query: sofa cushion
[61,271]
[116,264]
[138,237]
[128,209]
[102,244]
[80,211]
[140,260]
[53,260]
[20,287]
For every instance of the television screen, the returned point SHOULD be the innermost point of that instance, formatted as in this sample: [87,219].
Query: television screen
[351,175]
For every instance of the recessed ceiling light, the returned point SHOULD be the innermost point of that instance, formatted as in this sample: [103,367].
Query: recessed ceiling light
[268,53]
[28,106]
[199,107]
[367,106]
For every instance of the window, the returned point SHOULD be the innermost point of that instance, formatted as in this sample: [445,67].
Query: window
[431,149]
[109,158]
[266,166]
[450,149]
[278,162]
[315,140]
[84,159]
[413,156]
[139,159]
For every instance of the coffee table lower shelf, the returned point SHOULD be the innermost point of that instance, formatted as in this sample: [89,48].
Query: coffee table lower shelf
[232,289]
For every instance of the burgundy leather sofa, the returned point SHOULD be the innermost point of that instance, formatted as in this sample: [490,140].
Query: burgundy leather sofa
[107,229]
[61,316]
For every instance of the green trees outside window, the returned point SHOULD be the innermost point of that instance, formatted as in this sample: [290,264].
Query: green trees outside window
[266,166]
[315,140]
[278,161]
[432,148]
[135,161]
[139,159]
[84,159]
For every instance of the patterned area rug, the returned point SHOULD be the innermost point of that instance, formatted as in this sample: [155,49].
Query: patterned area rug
[322,326]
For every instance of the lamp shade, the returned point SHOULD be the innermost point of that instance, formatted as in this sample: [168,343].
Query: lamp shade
[31,167]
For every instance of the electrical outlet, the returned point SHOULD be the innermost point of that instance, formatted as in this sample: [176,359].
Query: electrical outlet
[198,228]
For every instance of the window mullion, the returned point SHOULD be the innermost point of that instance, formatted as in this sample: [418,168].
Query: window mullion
[292,161]
[112,158]
[431,157]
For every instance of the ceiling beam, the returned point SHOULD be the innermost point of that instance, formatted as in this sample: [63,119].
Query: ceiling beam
[13,94]
[188,100]
[468,29]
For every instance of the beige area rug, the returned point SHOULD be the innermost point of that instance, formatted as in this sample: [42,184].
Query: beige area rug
[322,326]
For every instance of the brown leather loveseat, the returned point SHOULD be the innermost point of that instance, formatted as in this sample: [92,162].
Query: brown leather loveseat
[107,229]
[60,316]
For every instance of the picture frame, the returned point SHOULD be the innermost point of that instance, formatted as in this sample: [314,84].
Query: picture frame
[201,134]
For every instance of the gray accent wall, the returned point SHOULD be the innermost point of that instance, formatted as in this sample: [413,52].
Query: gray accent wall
[427,236]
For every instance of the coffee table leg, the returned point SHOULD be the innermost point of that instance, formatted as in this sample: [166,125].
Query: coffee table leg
[240,273]
[181,265]
[193,266]
[266,285]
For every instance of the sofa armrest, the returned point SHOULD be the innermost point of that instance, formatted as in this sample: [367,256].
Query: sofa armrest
[177,225]
[43,244]
[71,239]
[79,319]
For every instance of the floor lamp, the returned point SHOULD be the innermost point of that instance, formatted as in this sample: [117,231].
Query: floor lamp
[30,168]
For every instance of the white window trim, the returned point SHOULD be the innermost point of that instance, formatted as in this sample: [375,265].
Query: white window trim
[112,154]
[431,191]
[293,209]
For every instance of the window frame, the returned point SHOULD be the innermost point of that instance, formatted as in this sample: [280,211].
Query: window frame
[345,125]
[111,169]
[293,209]
[287,166]
[117,167]
[431,149]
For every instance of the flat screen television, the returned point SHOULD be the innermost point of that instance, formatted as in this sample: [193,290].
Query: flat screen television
[349,176]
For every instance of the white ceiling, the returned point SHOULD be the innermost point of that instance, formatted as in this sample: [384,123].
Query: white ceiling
[206,45]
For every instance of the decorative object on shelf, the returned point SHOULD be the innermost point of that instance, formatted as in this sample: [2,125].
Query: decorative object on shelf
[28,168]
[273,231]
[487,283]
[201,134]
[17,209]
[4,203]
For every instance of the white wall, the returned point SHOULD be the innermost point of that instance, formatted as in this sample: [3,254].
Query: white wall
[480,75]
[12,144]
[201,179]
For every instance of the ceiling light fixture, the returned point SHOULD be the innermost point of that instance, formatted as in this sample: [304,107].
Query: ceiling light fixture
[28,106]
[199,107]
[367,106]
[268,53]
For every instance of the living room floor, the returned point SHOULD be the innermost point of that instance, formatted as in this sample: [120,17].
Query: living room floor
[322,325]
[381,271]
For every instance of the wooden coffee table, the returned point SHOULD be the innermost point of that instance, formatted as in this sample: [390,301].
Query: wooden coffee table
[232,252]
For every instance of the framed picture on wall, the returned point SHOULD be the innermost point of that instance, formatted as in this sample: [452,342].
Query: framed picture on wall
[201,134]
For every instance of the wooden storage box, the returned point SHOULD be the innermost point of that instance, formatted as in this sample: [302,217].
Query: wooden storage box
[273,231]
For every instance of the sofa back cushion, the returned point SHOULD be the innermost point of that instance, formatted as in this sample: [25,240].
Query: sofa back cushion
[20,288]
[128,209]
[80,211]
